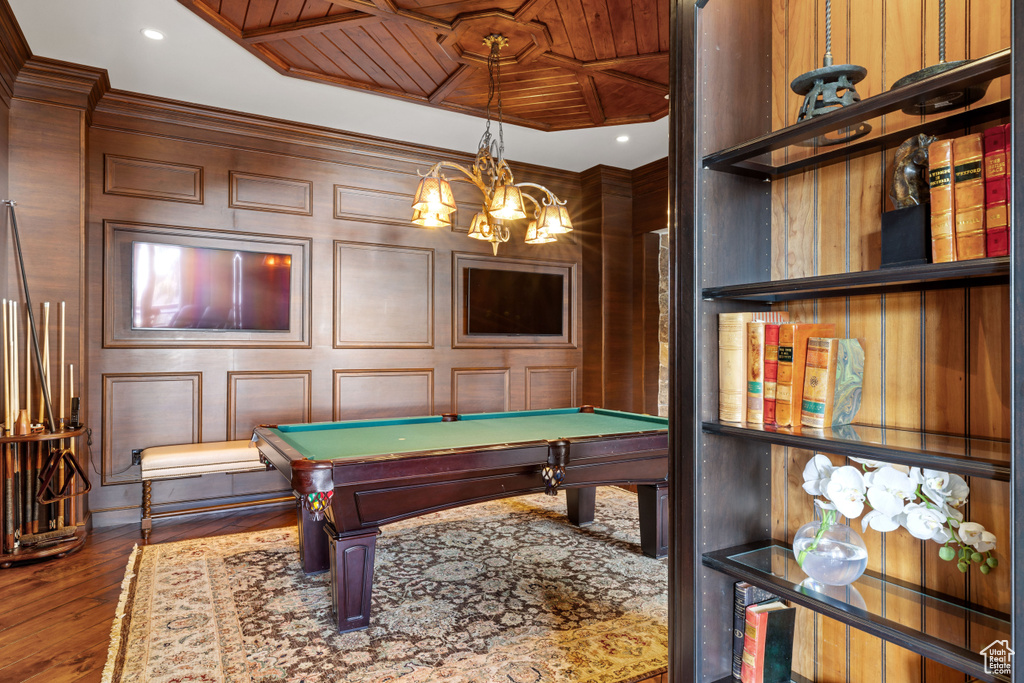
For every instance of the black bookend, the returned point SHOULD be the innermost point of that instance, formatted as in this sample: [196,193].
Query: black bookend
[906,237]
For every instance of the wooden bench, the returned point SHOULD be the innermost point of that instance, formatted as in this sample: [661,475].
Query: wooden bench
[193,460]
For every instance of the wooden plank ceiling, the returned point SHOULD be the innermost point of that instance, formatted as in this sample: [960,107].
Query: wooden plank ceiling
[569,63]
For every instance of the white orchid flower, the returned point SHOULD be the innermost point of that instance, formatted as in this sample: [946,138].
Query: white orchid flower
[870,464]
[817,472]
[879,522]
[926,523]
[944,488]
[888,491]
[845,489]
[975,535]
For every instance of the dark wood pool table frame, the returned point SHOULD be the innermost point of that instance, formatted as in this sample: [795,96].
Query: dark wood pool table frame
[372,491]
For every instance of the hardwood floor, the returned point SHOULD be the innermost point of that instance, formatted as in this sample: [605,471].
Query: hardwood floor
[55,616]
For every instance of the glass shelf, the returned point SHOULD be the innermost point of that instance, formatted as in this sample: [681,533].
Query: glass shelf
[978,272]
[967,456]
[896,611]
[750,157]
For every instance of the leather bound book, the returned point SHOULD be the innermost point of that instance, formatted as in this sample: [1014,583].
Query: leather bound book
[969,196]
[940,176]
[789,386]
[744,595]
[771,370]
[755,371]
[732,360]
[833,381]
[996,143]
[768,643]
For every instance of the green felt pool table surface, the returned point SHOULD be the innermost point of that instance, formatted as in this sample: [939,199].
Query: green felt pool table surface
[368,438]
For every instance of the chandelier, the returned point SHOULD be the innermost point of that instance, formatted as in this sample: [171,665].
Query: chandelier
[503,199]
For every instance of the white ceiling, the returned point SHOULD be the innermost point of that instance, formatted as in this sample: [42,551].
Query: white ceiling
[196,63]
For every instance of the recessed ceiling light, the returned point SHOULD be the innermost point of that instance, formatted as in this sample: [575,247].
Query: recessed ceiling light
[622,138]
[152,34]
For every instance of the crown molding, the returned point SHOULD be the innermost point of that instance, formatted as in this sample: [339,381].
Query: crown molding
[14,51]
[55,82]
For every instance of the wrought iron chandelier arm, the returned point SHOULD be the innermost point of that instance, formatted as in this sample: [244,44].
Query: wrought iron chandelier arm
[550,198]
[473,177]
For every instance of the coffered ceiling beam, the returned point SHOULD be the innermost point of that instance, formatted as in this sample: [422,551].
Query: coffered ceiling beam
[388,10]
[591,97]
[302,28]
[579,67]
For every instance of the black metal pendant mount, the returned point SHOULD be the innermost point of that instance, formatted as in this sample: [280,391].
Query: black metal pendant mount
[952,98]
[828,88]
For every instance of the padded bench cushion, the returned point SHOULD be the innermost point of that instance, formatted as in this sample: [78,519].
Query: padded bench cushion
[193,459]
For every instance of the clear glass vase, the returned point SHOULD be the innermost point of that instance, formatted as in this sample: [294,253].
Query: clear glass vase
[829,552]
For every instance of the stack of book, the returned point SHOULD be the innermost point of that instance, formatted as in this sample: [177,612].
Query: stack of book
[763,628]
[780,373]
[969,184]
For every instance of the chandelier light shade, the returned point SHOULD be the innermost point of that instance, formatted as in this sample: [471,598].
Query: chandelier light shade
[431,220]
[434,195]
[555,220]
[535,235]
[504,199]
[507,203]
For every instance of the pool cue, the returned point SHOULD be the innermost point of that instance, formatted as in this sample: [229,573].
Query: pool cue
[8,422]
[45,376]
[68,503]
[15,375]
[28,370]
[71,395]
[9,510]
[55,510]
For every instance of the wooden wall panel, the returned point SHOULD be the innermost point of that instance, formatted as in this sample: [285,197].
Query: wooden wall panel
[481,390]
[935,360]
[152,179]
[384,296]
[358,360]
[361,394]
[147,409]
[266,397]
[268,193]
[550,387]
[374,206]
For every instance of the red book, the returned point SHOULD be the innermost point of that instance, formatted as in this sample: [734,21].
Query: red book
[768,643]
[771,370]
[996,141]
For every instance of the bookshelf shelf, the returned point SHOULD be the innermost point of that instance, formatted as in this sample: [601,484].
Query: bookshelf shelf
[873,604]
[966,456]
[795,678]
[742,159]
[979,272]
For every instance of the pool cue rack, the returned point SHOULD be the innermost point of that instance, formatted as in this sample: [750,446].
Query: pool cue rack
[34,530]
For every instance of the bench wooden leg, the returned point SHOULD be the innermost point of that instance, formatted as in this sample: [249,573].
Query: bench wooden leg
[653,501]
[147,509]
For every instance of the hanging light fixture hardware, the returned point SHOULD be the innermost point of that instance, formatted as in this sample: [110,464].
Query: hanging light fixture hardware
[504,198]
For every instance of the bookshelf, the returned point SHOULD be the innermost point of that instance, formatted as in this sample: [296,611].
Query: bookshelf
[736,173]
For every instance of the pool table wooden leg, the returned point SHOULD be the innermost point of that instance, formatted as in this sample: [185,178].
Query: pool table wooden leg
[312,542]
[653,501]
[351,577]
[579,505]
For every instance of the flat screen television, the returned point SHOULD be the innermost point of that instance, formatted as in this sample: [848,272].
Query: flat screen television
[203,288]
[514,302]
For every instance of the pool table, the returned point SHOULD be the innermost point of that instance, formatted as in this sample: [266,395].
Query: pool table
[350,478]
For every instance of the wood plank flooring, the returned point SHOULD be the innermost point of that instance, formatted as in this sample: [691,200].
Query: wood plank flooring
[55,616]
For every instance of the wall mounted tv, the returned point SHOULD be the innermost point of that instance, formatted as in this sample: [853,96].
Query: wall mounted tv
[202,288]
[514,302]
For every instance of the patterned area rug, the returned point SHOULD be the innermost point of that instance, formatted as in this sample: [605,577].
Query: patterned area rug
[502,591]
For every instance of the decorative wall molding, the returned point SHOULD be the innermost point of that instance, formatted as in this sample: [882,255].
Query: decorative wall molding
[383,296]
[152,179]
[405,392]
[481,390]
[267,397]
[551,387]
[147,409]
[62,83]
[14,52]
[267,193]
